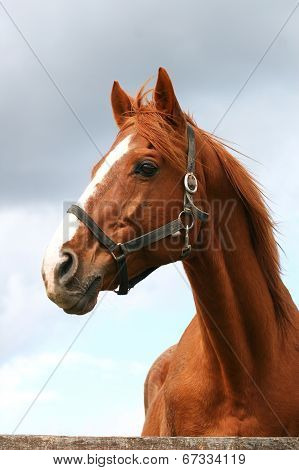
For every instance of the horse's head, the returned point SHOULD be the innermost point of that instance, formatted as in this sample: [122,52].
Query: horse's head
[136,188]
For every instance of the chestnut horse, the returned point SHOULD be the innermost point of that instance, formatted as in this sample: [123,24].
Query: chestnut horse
[234,371]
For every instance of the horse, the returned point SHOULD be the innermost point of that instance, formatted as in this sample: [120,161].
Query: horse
[167,191]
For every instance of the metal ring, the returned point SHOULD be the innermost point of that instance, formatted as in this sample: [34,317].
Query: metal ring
[187,183]
[188,214]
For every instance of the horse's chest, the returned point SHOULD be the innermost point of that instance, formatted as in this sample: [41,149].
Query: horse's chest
[190,407]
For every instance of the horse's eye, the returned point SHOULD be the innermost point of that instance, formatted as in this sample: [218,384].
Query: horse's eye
[146,169]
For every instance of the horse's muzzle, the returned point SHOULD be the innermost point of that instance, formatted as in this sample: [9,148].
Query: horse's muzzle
[88,300]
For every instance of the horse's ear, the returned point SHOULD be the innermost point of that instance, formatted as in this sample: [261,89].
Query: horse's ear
[165,99]
[121,104]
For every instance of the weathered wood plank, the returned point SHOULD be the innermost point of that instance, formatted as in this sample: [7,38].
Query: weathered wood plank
[21,442]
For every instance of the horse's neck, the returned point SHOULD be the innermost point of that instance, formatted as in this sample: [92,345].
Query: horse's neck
[235,310]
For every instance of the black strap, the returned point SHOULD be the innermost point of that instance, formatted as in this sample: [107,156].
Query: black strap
[199,213]
[127,247]
[123,277]
[98,233]
[154,236]
[101,236]
[191,150]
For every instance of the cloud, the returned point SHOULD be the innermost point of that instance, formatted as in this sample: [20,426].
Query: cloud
[21,379]
[25,313]
[209,48]
[80,359]
[17,379]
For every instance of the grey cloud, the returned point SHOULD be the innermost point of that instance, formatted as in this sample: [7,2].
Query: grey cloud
[209,49]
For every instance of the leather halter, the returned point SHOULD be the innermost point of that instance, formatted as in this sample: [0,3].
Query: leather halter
[119,251]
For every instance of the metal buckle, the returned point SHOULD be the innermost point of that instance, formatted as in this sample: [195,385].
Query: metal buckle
[190,183]
[121,253]
[186,250]
[187,213]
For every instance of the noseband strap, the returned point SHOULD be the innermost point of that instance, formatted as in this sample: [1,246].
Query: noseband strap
[119,251]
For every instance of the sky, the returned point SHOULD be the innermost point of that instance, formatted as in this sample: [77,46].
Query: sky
[47,148]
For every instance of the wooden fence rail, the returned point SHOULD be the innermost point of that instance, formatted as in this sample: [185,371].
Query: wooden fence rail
[26,442]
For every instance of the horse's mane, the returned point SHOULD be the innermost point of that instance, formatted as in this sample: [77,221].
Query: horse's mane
[261,226]
[151,124]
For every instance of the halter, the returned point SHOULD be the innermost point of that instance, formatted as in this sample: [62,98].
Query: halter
[119,251]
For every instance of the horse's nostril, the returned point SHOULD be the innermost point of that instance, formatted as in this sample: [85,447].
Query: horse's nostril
[67,267]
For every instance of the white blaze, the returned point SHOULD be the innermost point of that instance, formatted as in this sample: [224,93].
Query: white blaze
[68,227]
[119,151]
